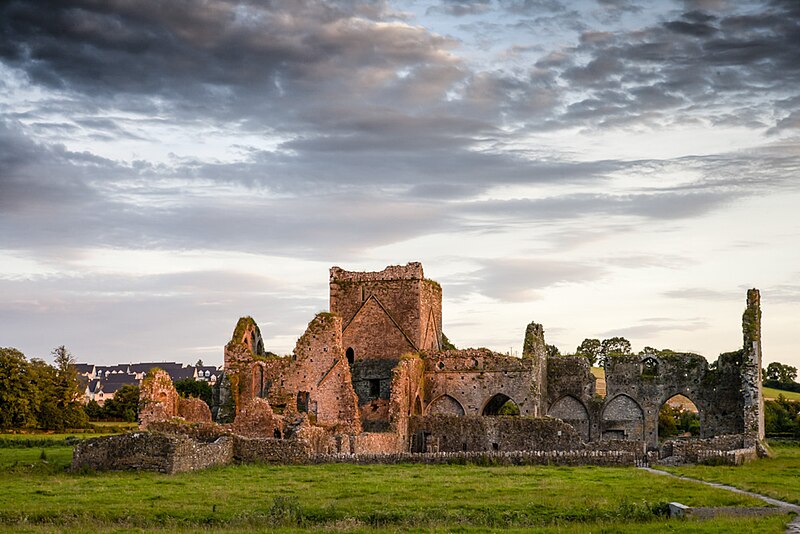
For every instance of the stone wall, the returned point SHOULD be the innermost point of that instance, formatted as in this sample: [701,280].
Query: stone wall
[571,394]
[752,395]
[194,410]
[151,452]
[731,449]
[443,433]
[387,313]
[158,399]
[472,378]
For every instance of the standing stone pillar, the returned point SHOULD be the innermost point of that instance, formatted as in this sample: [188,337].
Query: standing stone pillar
[753,399]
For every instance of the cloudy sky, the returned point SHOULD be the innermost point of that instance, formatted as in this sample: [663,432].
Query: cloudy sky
[605,167]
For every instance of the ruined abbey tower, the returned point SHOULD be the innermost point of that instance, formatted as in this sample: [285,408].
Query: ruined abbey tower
[385,315]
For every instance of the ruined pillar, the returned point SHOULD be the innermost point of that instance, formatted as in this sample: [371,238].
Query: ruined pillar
[534,348]
[752,395]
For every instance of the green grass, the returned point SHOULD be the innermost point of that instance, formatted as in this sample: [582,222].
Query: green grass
[770,393]
[40,496]
[777,477]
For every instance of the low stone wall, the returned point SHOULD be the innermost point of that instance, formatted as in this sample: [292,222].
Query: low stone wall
[377,443]
[151,452]
[729,449]
[575,457]
[269,450]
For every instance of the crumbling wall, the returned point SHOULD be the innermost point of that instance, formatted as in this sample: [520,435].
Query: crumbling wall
[752,394]
[158,399]
[151,452]
[257,420]
[534,349]
[407,397]
[194,410]
[318,380]
[442,433]
[473,377]
[571,394]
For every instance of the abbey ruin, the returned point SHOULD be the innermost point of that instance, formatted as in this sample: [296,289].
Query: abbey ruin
[372,380]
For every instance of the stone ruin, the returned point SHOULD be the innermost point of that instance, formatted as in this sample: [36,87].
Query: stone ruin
[372,380]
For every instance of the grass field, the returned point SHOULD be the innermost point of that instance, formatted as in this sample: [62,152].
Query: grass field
[770,393]
[777,477]
[39,496]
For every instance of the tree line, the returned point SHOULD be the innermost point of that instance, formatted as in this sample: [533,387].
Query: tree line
[40,396]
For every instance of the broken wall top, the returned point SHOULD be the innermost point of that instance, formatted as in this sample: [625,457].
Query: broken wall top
[410,271]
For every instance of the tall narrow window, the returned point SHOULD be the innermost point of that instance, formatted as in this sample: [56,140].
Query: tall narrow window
[351,355]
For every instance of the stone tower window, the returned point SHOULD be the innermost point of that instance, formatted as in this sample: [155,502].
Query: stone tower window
[374,388]
[351,355]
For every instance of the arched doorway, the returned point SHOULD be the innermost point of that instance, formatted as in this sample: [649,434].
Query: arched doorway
[445,405]
[500,404]
[623,418]
[678,418]
[573,412]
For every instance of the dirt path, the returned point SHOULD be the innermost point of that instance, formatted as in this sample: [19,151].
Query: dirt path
[792,528]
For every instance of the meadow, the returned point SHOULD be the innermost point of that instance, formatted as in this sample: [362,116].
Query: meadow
[39,495]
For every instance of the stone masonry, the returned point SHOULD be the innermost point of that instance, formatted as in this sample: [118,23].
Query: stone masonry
[372,376]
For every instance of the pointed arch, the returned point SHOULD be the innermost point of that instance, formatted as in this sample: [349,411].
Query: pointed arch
[573,412]
[623,418]
[445,405]
[678,416]
[500,403]
[416,408]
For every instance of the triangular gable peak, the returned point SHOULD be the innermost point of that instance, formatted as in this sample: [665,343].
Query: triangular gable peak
[374,334]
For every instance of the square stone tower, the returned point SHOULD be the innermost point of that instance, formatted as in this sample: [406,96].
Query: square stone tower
[385,315]
[388,313]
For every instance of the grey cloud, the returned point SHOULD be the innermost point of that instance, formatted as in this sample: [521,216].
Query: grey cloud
[108,318]
[460,8]
[517,280]
[657,325]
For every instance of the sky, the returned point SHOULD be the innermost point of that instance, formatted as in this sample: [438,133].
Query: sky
[603,167]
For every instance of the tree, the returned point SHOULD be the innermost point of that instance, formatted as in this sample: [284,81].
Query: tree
[16,403]
[124,405]
[785,374]
[189,387]
[66,390]
[590,349]
[552,351]
[615,345]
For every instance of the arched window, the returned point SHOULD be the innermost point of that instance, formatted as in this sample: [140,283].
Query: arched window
[649,368]
[678,418]
[501,404]
[351,355]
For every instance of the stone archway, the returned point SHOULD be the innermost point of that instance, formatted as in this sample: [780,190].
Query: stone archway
[678,417]
[500,404]
[445,405]
[623,418]
[573,412]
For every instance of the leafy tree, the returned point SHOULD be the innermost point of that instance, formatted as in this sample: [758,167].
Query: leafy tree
[124,405]
[615,345]
[94,411]
[785,374]
[188,387]
[552,351]
[66,390]
[16,405]
[590,349]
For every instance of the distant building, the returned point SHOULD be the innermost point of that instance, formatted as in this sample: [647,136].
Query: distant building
[101,382]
